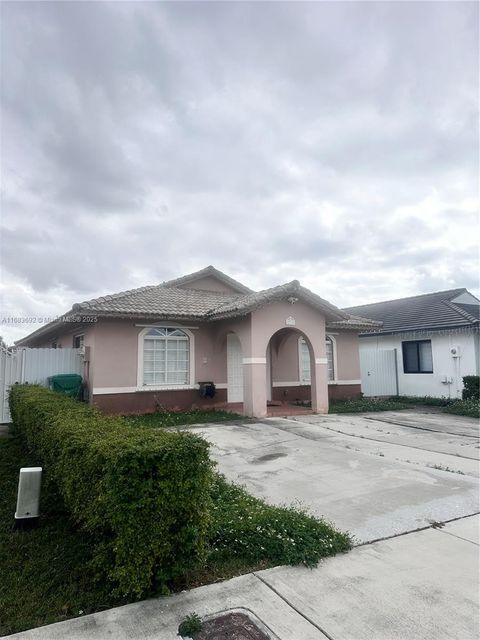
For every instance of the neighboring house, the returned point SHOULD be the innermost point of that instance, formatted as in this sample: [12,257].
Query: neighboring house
[426,345]
[151,347]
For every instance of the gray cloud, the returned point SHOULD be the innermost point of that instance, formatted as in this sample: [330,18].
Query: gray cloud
[331,142]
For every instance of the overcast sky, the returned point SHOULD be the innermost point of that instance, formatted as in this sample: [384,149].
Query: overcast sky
[335,143]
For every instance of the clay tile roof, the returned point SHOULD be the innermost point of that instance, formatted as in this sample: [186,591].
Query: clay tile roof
[203,273]
[159,301]
[246,304]
[174,300]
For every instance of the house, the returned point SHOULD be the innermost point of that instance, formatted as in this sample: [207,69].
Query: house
[152,346]
[426,345]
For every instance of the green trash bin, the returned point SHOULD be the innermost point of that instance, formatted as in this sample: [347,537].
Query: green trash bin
[68,383]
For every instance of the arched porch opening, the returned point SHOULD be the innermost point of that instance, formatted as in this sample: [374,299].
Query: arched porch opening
[290,364]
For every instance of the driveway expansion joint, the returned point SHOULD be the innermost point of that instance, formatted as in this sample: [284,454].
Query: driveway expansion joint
[435,525]
[411,426]
[454,535]
[383,441]
[292,606]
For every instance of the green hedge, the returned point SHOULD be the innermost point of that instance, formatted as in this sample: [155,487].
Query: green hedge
[144,496]
[471,390]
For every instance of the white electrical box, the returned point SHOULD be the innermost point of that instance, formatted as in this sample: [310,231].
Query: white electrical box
[28,497]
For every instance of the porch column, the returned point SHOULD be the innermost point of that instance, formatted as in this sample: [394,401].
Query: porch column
[255,387]
[319,386]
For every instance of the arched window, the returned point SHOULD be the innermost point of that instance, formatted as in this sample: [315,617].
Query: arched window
[304,360]
[166,357]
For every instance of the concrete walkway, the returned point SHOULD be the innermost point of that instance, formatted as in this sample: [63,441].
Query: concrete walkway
[373,475]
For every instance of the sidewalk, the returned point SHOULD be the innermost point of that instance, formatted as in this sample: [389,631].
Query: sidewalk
[422,586]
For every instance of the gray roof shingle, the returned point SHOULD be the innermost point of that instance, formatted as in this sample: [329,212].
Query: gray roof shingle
[428,311]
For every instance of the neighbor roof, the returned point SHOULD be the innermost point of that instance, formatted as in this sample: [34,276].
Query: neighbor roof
[172,300]
[438,310]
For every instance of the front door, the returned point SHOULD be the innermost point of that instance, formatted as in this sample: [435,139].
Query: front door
[234,369]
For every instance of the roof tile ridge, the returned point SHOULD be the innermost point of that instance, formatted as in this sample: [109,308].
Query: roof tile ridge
[460,311]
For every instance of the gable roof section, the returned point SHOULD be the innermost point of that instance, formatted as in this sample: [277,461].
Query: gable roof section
[209,271]
[246,304]
[169,301]
[175,302]
[436,310]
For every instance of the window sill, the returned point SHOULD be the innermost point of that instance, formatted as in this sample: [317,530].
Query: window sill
[167,387]
[418,373]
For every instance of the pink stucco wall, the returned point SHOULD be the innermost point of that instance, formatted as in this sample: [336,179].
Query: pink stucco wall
[348,358]
[284,356]
[310,323]
[112,348]
[115,353]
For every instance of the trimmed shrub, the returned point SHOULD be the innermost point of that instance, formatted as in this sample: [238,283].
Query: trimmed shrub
[143,495]
[471,390]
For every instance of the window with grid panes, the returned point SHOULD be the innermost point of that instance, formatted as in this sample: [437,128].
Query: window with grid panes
[305,360]
[166,354]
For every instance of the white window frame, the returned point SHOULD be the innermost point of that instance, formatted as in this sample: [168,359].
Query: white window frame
[305,381]
[167,386]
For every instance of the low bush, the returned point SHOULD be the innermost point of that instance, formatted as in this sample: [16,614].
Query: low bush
[142,495]
[471,388]
[470,408]
[249,528]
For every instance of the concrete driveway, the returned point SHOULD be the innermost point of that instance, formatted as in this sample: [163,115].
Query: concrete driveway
[373,475]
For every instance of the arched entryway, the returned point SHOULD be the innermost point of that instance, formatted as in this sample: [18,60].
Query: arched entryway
[289,360]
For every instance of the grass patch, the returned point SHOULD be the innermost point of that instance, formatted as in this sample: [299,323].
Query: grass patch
[47,575]
[367,404]
[469,408]
[162,419]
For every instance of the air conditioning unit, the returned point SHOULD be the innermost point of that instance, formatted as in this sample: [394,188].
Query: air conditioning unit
[456,352]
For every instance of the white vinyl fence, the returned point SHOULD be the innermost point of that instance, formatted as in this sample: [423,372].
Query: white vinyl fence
[33,366]
[378,369]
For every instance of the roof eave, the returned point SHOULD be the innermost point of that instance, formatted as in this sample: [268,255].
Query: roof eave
[472,325]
